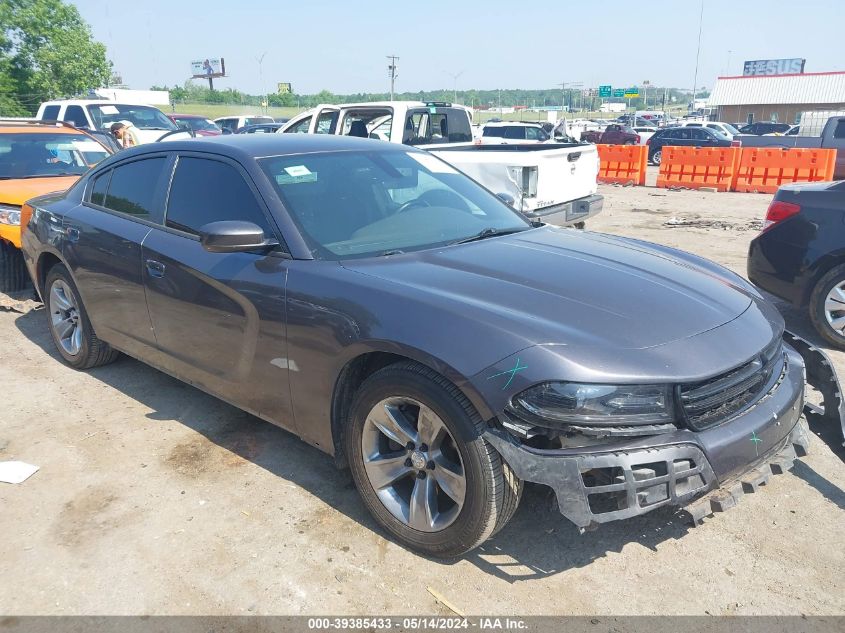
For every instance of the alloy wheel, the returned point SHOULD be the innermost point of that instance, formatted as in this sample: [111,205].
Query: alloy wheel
[65,318]
[834,308]
[413,464]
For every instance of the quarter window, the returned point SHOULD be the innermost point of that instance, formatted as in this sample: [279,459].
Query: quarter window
[100,187]
[205,191]
[51,113]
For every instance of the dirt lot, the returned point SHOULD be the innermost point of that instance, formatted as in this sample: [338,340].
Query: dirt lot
[155,498]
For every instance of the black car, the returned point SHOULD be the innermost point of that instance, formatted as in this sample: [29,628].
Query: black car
[800,255]
[764,127]
[386,308]
[684,136]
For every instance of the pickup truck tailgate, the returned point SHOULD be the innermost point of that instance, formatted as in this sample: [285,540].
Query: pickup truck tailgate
[536,176]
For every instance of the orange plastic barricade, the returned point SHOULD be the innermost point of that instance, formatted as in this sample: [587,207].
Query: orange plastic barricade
[764,169]
[698,167]
[622,163]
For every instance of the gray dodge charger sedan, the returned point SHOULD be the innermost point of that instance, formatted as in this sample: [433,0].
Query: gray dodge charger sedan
[392,312]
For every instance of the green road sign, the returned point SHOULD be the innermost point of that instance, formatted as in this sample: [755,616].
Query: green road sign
[631,93]
[619,92]
[605,91]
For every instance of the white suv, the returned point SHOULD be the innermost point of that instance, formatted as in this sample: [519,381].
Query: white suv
[231,124]
[99,114]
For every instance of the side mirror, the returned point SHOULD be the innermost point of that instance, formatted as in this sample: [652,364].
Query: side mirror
[507,198]
[233,236]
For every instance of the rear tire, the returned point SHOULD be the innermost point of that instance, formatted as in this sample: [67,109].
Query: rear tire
[13,274]
[657,157]
[68,322]
[827,307]
[399,397]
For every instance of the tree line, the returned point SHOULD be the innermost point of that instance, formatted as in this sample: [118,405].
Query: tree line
[573,99]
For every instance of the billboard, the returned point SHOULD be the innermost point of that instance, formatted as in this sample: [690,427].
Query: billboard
[773,67]
[208,67]
[284,88]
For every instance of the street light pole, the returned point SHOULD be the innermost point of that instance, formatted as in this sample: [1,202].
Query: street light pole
[455,76]
[697,54]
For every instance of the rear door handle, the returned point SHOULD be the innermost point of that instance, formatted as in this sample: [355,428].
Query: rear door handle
[72,233]
[155,269]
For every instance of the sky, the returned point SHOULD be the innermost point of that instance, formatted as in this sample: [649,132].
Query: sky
[341,45]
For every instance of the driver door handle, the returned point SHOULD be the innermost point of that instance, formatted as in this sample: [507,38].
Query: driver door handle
[155,269]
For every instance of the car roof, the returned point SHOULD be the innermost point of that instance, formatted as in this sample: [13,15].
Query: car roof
[95,102]
[37,127]
[188,116]
[518,123]
[245,146]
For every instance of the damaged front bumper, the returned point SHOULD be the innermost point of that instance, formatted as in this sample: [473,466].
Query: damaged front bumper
[705,470]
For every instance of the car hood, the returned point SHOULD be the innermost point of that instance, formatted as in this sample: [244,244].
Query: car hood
[562,286]
[18,191]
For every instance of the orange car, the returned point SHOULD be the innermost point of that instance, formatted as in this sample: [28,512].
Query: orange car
[36,157]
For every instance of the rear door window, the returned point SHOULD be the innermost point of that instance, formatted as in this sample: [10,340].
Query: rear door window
[51,113]
[515,132]
[494,131]
[839,130]
[133,187]
[326,122]
[76,115]
[205,191]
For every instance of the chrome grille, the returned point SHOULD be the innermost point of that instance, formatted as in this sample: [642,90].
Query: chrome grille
[712,401]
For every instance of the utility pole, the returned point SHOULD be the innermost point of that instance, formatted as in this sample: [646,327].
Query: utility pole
[260,61]
[391,69]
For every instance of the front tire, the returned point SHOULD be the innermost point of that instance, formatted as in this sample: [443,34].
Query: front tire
[827,307]
[13,275]
[657,157]
[419,462]
[72,333]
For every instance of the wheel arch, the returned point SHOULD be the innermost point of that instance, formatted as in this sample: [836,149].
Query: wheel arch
[819,269]
[46,260]
[358,368]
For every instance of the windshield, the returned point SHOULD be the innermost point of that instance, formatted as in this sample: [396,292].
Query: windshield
[358,204]
[47,154]
[141,116]
[196,124]
[730,128]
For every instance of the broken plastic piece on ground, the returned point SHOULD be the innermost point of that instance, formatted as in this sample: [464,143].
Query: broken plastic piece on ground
[16,472]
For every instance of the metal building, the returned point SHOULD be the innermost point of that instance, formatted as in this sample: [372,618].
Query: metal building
[781,98]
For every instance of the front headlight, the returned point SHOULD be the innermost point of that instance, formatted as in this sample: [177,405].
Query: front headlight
[569,403]
[10,215]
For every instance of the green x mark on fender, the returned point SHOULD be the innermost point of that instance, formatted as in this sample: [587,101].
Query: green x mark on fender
[756,441]
[510,373]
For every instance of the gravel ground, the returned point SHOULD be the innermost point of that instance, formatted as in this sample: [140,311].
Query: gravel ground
[154,498]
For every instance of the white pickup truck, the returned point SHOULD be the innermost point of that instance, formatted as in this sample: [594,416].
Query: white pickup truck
[553,182]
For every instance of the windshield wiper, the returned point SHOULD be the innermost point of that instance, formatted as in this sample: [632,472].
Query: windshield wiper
[485,233]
